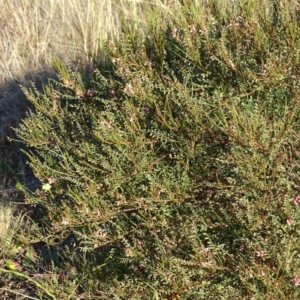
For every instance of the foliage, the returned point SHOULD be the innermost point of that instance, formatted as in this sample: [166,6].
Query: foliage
[171,171]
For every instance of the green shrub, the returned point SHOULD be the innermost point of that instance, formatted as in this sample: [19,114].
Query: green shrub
[175,163]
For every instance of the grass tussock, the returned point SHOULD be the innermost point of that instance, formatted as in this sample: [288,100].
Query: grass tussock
[35,31]
[167,169]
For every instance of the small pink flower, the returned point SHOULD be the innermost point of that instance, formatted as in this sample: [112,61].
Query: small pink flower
[106,124]
[289,221]
[207,264]
[260,253]
[101,233]
[90,93]
[192,28]
[296,280]
[174,32]
[296,199]
[65,222]
[112,93]
[79,94]
[205,250]
[129,89]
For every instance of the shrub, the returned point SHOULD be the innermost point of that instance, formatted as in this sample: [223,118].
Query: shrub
[174,164]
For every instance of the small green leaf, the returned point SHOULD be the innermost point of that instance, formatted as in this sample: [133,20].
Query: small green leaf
[19,186]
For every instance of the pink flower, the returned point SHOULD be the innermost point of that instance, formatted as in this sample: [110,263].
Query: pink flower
[296,280]
[289,221]
[106,124]
[260,253]
[296,199]
[129,89]
[90,93]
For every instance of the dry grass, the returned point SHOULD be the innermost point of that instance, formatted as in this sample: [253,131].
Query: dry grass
[6,212]
[33,31]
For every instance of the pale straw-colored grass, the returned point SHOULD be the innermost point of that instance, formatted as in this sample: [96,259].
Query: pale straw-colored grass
[6,219]
[33,31]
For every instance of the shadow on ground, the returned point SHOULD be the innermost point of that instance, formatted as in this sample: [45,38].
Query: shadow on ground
[13,107]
